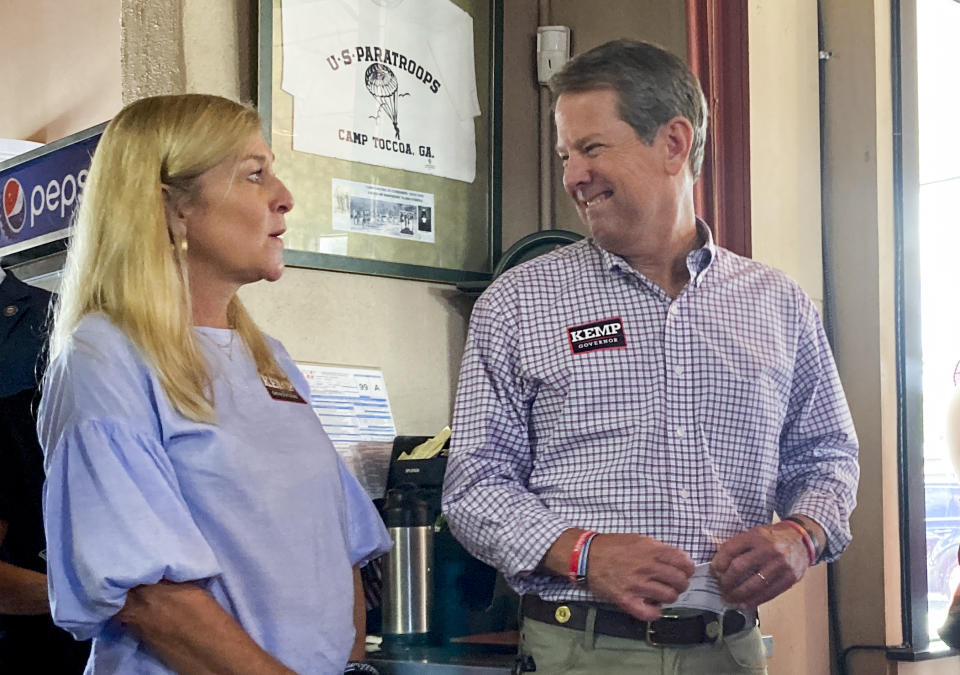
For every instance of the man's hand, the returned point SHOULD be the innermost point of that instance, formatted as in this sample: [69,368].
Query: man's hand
[639,574]
[759,564]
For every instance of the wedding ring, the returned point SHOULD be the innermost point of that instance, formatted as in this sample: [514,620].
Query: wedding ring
[762,578]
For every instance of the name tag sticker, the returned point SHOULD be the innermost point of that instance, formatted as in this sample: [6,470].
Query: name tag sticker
[603,334]
[280,390]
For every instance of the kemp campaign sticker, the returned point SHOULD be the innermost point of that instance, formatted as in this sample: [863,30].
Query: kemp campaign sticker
[603,334]
[280,390]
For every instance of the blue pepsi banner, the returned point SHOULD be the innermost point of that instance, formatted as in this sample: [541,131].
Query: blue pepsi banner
[42,189]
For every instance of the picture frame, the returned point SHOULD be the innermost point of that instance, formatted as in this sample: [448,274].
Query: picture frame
[377,198]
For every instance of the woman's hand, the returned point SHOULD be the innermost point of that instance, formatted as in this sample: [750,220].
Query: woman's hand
[191,633]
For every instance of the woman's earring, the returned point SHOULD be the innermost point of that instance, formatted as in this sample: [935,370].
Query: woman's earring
[183,246]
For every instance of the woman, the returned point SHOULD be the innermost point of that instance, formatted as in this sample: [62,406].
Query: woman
[198,518]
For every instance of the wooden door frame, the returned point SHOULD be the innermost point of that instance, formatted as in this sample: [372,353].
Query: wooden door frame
[717,52]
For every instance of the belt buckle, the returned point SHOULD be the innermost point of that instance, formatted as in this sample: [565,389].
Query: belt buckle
[650,631]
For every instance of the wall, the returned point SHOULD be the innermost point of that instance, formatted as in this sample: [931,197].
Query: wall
[785,222]
[858,211]
[414,331]
[61,67]
[784,140]
[519,193]
[858,227]
[857,195]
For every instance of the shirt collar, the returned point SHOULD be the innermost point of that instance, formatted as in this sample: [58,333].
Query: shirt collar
[699,260]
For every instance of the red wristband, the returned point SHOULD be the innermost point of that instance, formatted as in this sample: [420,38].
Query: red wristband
[807,540]
[574,570]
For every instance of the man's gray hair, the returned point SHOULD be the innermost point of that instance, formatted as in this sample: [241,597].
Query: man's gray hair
[654,86]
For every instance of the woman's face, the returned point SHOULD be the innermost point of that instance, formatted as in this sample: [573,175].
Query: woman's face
[233,225]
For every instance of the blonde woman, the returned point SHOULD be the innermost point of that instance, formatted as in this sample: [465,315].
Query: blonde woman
[198,519]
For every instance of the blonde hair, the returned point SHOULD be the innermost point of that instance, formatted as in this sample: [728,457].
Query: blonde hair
[123,260]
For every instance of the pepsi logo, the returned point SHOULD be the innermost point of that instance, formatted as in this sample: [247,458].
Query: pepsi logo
[14,207]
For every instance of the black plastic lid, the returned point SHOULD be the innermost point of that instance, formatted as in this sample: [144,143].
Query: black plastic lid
[405,508]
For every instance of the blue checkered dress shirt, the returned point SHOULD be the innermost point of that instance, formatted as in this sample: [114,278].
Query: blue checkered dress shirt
[589,398]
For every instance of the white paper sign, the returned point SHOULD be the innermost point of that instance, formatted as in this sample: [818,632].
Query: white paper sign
[352,405]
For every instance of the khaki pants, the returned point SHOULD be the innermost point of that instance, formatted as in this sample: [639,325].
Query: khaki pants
[562,651]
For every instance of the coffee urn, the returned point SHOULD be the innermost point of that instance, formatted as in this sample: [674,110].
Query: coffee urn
[408,568]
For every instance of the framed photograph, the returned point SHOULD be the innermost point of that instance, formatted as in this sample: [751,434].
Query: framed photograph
[383,117]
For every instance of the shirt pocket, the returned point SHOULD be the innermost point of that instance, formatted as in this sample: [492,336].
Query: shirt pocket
[601,396]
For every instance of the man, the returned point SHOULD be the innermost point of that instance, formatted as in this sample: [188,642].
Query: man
[29,642]
[651,387]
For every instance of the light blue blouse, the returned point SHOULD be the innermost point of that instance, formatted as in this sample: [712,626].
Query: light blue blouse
[257,508]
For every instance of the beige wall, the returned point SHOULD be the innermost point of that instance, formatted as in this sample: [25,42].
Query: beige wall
[520,195]
[219,44]
[785,222]
[784,140]
[60,68]
[414,331]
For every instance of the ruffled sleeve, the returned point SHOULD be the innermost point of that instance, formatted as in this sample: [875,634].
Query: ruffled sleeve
[367,538]
[114,515]
[115,519]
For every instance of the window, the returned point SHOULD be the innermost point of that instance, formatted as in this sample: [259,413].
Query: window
[928,287]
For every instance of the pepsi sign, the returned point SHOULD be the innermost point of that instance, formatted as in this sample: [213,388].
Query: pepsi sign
[42,191]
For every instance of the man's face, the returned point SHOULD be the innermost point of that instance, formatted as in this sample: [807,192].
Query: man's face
[617,182]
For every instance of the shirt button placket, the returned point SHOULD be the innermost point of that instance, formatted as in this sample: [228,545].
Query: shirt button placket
[673,336]
[673,353]
[672,312]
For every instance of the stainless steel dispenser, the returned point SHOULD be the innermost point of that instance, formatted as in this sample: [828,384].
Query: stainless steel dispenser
[408,568]
[433,590]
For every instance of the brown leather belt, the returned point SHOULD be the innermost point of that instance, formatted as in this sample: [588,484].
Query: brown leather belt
[699,628]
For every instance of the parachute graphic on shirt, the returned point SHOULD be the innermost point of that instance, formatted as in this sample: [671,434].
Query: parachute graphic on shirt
[382,85]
